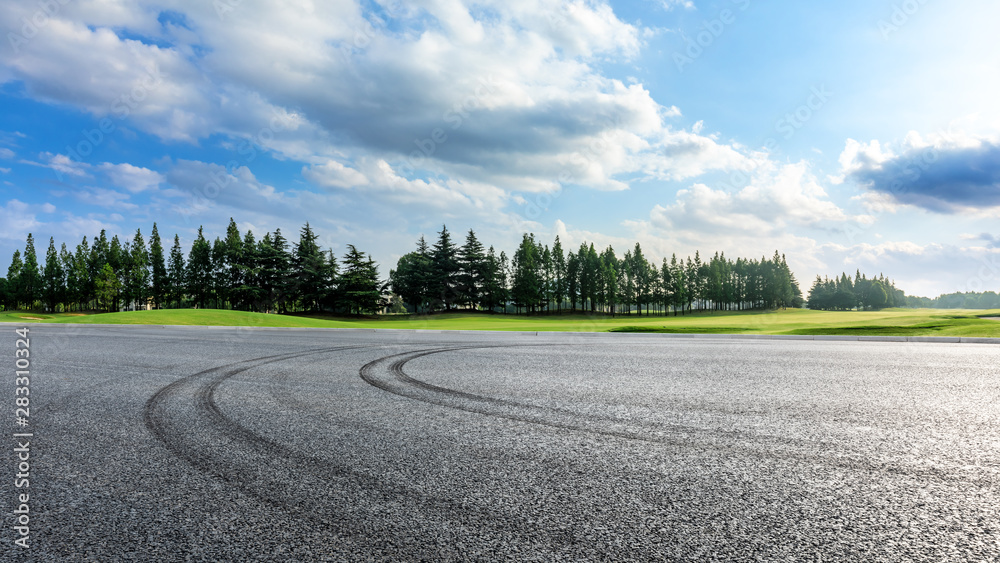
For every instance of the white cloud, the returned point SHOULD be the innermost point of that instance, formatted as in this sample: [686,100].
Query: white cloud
[133,178]
[6,153]
[516,93]
[777,197]
[16,220]
[334,175]
[945,172]
[61,164]
[104,197]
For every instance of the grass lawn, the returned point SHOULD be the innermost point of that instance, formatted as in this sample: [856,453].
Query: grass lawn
[897,322]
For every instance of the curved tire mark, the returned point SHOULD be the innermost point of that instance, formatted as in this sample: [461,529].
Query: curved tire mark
[323,491]
[387,374]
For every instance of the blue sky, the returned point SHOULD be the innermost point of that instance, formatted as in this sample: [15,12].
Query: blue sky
[864,134]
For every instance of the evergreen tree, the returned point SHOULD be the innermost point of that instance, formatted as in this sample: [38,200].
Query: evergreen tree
[139,274]
[117,257]
[559,270]
[445,269]
[107,287]
[176,274]
[408,279]
[231,267]
[30,283]
[53,283]
[472,270]
[312,273]
[14,280]
[526,286]
[159,279]
[82,273]
[359,285]
[71,291]
[198,271]
[276,272]
[248,294]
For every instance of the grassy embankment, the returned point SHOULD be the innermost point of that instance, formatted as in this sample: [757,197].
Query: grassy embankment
[897,322]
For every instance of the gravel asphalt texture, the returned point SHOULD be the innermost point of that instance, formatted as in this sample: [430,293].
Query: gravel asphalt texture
[222,444]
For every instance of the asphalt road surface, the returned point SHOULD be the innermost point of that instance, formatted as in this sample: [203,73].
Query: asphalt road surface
[211,444]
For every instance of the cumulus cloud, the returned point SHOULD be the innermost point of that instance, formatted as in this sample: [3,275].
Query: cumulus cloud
[16,219]
[776,197]
[133,178]
[945,173]
[501,93]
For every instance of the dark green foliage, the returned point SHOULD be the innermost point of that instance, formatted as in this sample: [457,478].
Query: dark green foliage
[241,272]
[472,271]
[313,273]
[198,278]
[959,300]
[359,286]
[408,280]
[159,279]
[53,282]
[443,281]
[30,281]
[844,294]
[176,274]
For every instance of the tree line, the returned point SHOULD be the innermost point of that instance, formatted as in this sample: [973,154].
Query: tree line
[959,300]
[539,278]
[238,271]
[864,294]
[234,272]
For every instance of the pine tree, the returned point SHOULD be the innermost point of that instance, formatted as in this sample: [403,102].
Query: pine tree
[53,282]
[82,272]
[117,256]
[139,275]
[198,272]
[277,272]
[472,270]
[443,284]
[359,284]
[107,288]
[71,290]
[176,274]
[159,280]
[230,267]
[248,293]
[559,271]
[408,279]
[30,283]
[311,271]
[14,280]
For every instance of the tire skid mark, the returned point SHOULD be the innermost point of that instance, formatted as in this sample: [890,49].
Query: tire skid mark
[394,380]
[312,475]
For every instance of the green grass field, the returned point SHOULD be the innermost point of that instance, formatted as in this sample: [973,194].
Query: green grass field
[895,322]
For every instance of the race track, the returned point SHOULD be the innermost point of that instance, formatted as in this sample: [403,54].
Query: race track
[215,444]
